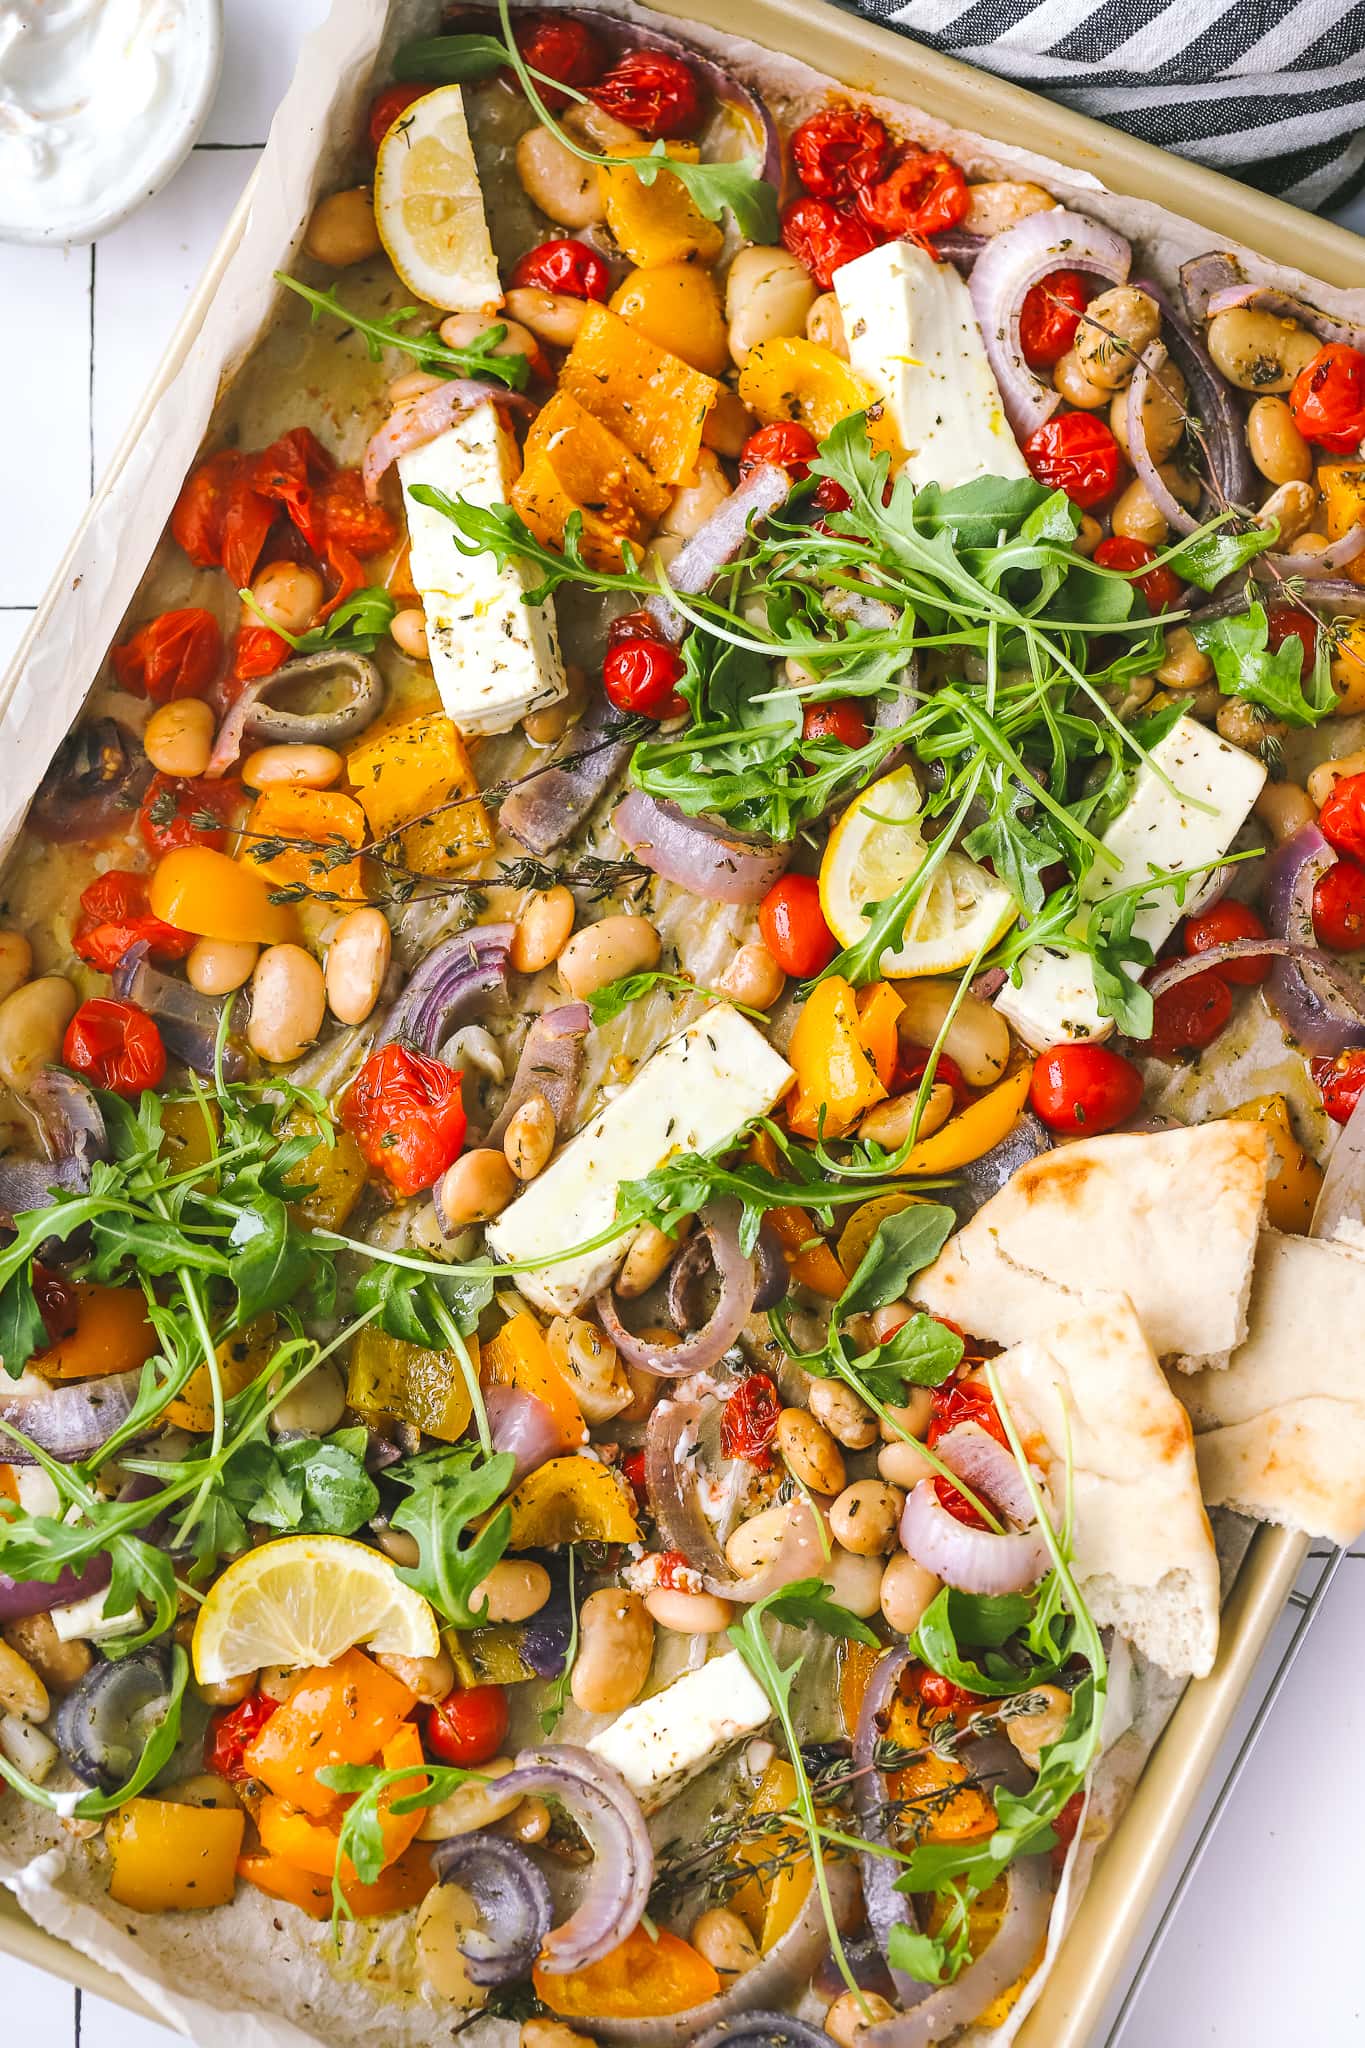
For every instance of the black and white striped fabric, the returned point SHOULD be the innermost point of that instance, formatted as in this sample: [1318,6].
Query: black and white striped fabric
[1270,91]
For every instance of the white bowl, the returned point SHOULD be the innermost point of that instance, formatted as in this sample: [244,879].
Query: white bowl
[143,143]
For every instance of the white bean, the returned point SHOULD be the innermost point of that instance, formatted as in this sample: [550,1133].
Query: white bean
[978,1038]
[605,951]
[179,736]
[357,962]
[1259,351]
[314,1406]
[288,593]
[558,182]
[288,1003]
[767,293]
[33,1021]
[291,766]
[218,966]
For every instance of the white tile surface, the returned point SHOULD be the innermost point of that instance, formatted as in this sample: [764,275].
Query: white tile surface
[1266,1948]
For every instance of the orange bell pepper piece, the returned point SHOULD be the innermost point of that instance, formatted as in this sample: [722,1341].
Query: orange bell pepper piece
[878,1009]
[169,1858]
[314,823]
[343,1714]
[311,1844]
[1295,1177]
[807,1254]
[644,1978]
[974,1130]
[520,1357]
[112,1334]
[201,891]
[835,1079]
[396,1890]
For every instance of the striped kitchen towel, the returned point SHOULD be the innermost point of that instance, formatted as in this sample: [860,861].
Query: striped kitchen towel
[1270,91]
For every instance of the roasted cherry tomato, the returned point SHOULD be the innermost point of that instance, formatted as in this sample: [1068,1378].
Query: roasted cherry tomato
[1084,1088]
[201,508]
[558,47]
[1227,922]
[643,675]
[289,473]
[563,266]
[1328,399]
[942,1696]
[387,106]
[824,235]
[186,810]
[674,1572]
[641,625]
[923,193]
[1049,317]
[247,521]
[1160,587]
[176,655]
[841,719]
[350,519]
[748,1421]
[793,926]
[1287,622]
[963,1401]
[408,1116]
[231,1733]
[468,1726]
[785,444]
[1190,1016]
[1076,453]
[114,917]
[838,151]
[116,1044]
[1339,906]
[911,1062]
[652,92]
[633,1472]
[256,651]
[1342,1082]
[1341,820]
[57,1303]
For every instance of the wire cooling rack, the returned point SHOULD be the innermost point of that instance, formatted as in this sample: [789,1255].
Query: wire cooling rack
[1308,1604]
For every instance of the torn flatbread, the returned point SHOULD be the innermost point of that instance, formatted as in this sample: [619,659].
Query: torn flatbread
[1168,1218]
[1281,1434]
[1143,1550]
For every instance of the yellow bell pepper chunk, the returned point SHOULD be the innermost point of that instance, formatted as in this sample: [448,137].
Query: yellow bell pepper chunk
[1295,1177]
[166,1858]
[313,825]
[205,892]
[408,783]
[428,1388]
[242,1358]
[658,223]
[1342,485]
[334,1175]
[789,378]
[518,1356]
[833,1072]
[571,1500]
[974,1130]
[678,307]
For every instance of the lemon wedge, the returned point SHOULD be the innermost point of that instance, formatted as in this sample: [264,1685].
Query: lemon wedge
[429,209]
[302,1601]
[877,846]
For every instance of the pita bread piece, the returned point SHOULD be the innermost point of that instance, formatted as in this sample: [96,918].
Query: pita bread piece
[1143,1549]
[1281,1434]
[1168,1218]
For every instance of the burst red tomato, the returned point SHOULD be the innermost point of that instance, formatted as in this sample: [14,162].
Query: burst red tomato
[116,1045]
[256,651]
[1328,399]
[1342,1081]
[941,1695]
[1287,622]
[785,444]
[407,1114]
[824,235]
[1081,1087]
[643,676]
[911,1061]
[964,1401]
[288,473]
[386,107]
[114,917]
[1341,820]
[187,811]
[1190,1016]
[633,1472]
[1228,922]
[1049,317]
[468,1726]
[1339,906]
[247,521]
[177,654]
[231,1733]
[1160,587]
[201,508]
[841,719]
[923,193]
[748,1421]
[838,151]
[559,48]
[1076,453]
[563,266]
[652,92]
[793,926]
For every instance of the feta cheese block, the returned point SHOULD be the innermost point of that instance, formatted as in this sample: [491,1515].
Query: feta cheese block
[494,656]
[1216,786]
[697,1090]
[661,1743]
[912,335]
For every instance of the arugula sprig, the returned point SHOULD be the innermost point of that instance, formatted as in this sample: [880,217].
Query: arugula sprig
[447,1494]
[428,351]
[372,1791]
[613,997]
[1271,678]
[357,626]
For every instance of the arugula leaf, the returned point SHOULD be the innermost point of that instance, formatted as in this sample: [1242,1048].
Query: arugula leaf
[615,996]
[372,1790]
[1205,558]
[22,1329]
[449,60]
[1246,666]
[428,351]
[310,1486]
[808,1603]
[358,625]
[718,188]
[272,1260]
[925,1957]
[903,1245]
[921,1353]
[407,1302]
[1113,947]
[955,1623]
[447,1491]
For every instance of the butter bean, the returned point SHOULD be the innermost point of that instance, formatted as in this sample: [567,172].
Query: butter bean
[722,1938]
[865,1516]
[288,1003]
[543,929]
[615,1650]
[408,631]
[1031,1733]
[903,1465]
[825,325]
[530,1138]
[442,1919]
[689,1614]
[907,1590]
[889,1123]
[554,317]
[809,1451]
[753,978]
[563,187]
[288,594]
[1284,808]
[477,1187]
[218,966]
[753,1544]
[342,230]
[179,736]
[515,1589]
[848,1419]
[1277,447]
[851,2014]
[357,962]
[978,1038]
[430,1678]
[470,1807]
[1116,328]
[605,951]
[1259,351]
[33,1021]
[291,767]
[1000,203]
[767,293]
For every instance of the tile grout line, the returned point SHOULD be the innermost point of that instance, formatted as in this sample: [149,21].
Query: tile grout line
[76,2013]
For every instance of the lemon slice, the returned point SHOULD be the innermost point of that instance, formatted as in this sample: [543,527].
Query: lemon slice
[876,846]
[302,1601]
[429,209]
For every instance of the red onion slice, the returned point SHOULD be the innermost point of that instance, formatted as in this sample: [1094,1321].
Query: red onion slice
[1262,298]
[513,1899]
[463,978]
[702,855]
[548,806]
[734,1271]
[251,716]
[671,1478]
[188,1022]
[551,1064]
[1002,276]
[988,1468]
[1150,365]
[22,1597]
[975,1560]
[600,1803]
[96,780]
[67,1421]
[1333,559]
[717,543]
[523,1425]
[1214,404]
[1202,276]
[1320,1004]
[425,418]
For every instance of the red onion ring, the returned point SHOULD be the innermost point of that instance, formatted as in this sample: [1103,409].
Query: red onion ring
[1262,298]
[250,716]
[462,978]
[988,1468]
[1150,364]
[189,1022]
[21,1597]
[1204,275]
[599,1802]
[1321,1005]
[671,1484]
[523,1425]
[1214,403]
[734,1270]
[548,806]
[67,1421]
[1011,263]
[425,418]
[551,1064]
[96,779]
[975,1560]
[1338,598]
[700,854]
[776,1979]
[716,543]
[513,1899]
